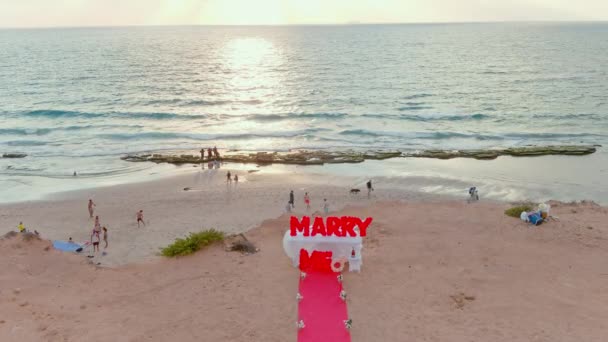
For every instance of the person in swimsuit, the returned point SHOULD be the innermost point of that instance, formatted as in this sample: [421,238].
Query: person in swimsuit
[105,237]
[307,201]
[97,224]
[91,208]
[95,240]
[140,218]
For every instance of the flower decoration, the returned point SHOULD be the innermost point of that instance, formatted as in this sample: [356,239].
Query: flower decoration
[348,323]
[302,275]
[343,295]
[299,297]
[340,278]
[301,325]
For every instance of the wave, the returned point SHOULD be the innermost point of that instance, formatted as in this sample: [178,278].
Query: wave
[45,131]
[412,108]
[200,103]
[429,118]
[52,114]
[202,136]
[417,96]
[26,143]
[292,116]
[451,135]
[25,131]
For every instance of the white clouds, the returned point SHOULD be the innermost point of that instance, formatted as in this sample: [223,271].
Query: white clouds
[28,13]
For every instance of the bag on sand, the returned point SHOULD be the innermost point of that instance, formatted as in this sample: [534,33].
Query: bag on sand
[535,218]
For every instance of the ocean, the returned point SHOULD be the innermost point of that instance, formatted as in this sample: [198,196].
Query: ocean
[76,99]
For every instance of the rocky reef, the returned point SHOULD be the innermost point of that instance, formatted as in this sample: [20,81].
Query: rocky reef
[14,155]
[319,157]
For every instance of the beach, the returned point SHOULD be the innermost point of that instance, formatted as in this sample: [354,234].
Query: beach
[119,115]
[434,268]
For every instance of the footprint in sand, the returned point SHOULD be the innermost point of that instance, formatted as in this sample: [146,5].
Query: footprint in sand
[461,299]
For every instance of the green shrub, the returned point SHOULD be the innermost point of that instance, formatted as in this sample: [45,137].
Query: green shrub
[192,243]
[517,210]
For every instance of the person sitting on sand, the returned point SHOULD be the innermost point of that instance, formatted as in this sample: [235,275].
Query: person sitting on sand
[140,218]
[21,227]
[91,208]
[307,201]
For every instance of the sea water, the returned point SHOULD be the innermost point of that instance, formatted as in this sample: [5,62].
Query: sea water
[76,99]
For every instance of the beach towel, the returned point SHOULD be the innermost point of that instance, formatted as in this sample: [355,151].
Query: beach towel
[66,246]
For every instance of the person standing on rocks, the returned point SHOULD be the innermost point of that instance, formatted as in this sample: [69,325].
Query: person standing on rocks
[291,199]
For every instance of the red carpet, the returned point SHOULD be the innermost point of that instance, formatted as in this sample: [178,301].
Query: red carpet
[322,309]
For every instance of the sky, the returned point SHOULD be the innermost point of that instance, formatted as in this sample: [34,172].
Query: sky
[67,13]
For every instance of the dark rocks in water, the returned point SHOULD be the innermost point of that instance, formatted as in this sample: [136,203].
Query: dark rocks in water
[339,157]
[14,155]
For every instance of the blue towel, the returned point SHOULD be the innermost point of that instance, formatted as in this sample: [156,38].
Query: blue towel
[66,246]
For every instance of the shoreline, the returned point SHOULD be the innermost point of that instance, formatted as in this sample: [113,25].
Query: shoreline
[201,199]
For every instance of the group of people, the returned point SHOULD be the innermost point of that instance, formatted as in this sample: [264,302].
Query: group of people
[291,202]
[211,153]
[229,178]
[96,235]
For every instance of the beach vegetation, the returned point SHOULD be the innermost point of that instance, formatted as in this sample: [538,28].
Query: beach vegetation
[192,243]
[518,209]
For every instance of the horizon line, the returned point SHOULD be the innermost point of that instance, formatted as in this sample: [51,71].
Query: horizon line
[354,23]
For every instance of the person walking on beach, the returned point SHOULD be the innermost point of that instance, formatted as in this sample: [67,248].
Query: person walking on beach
[105,238]
[369,188]
[140,218]
[325,206]
[91,208]
[291,199]
[307,201]
[228,177]
[236,180]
